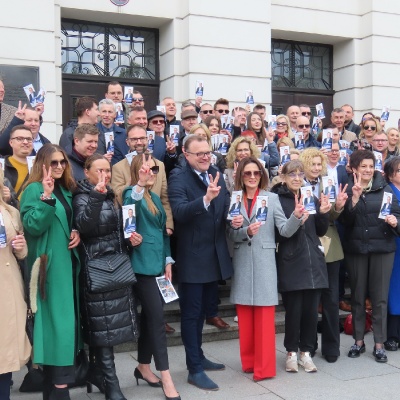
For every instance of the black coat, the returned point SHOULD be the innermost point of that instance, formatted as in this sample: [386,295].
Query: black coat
[301,263]
[364,232]
[108,318]
[202,252]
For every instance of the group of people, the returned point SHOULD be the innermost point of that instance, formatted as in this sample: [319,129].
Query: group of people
[70,212]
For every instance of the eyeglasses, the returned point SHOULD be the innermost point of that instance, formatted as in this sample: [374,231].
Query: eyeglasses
[137,99]
[135,140]
[302,126]
[293,175]
[223,111]
[251,174]
[369,127]
[20,139]
[304,113]
[281,123]
[201,155]
[155,170]
[207,111]
[55,163]
[379,140]
[158,121]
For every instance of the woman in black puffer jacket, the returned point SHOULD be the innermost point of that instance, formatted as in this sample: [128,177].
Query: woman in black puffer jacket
[108,318]
[369,246]
[302,271]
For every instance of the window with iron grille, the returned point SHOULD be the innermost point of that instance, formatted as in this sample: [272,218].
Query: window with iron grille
[301,65]
[109,50]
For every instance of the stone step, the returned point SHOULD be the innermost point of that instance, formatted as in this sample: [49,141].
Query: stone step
[211,333]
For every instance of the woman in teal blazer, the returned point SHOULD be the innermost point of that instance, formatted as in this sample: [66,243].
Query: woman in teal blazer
[149,260]
[46,214]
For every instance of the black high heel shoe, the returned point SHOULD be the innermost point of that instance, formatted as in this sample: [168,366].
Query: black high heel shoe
[170,398]
[138,375]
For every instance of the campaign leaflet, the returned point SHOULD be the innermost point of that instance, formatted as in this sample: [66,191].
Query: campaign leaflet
[320,110]
[109,136]
[128,94]
[235,204]
[261,209]
[342,157]
[329,188]
[174,134]
[119,117]
[3,236]
[378,161]
[128,220]
[150,141]
[386,205]
[308,199]
[327,139]
[166,288]
[30,160]
[285,154]
[299,140]
[199,91]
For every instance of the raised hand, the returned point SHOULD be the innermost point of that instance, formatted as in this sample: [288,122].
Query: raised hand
[298,206]
[101,184]
[39,108]
[356,189]
[253,228]
[235,167]
[236,121]
[109,156]
[20,113]
[213,189]
[341,197]
[47,182]
[171,148]
[144,172]
[325,204]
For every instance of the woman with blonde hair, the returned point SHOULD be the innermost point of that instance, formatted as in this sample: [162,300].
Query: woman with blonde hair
[149,260]
[369,127]
[283,128]
[47,217]
[241,147]
[15,348]
[394,141]
[315,163]
[285,141]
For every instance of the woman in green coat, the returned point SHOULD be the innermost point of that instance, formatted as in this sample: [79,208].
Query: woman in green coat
[149,260]
[46,213]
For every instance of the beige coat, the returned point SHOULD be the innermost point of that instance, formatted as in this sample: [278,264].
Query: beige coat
[121,178]
[15,348]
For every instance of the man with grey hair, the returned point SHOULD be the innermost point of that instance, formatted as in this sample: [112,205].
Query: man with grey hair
[6,111]
[338,119]
[293,112]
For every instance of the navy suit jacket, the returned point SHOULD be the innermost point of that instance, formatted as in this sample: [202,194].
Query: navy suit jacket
[202,252]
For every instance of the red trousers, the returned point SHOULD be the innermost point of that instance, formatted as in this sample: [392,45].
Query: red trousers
[257,340]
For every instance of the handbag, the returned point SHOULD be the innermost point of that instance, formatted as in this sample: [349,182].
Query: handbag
[109,271]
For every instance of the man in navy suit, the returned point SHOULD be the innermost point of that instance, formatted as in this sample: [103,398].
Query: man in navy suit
[200,207]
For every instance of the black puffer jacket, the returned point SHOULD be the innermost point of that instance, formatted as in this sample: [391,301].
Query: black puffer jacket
[108,318]
[301,263]
[364,232]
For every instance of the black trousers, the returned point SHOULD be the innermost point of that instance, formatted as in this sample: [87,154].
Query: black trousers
[393,327]
[301,319]
[5,386]
[152,339]
[330,337]
[370,274]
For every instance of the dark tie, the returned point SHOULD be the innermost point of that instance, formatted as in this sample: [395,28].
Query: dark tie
[204,178]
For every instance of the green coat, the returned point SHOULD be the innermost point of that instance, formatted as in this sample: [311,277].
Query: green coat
[149,258]
[47,232]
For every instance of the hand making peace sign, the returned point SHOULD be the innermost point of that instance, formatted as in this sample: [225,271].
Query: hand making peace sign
[213,189]
[298,207]
[325,204]
[47,182]
[341,197]
[101,185]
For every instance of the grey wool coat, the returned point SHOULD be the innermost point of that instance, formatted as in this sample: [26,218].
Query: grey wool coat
[254,281]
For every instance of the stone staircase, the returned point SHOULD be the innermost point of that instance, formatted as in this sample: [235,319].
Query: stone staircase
[210,333]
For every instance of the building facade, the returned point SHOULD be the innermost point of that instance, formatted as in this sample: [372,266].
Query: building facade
[286,51]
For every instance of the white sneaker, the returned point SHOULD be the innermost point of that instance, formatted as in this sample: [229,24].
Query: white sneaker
[291,362]
[306,362]
[236,319]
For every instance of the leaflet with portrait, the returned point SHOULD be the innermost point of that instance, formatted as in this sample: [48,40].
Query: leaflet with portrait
[166,288]
[128,220]
[386,205]
[235,204]
[3,236]
[329,187]
[308,199]
[261,209]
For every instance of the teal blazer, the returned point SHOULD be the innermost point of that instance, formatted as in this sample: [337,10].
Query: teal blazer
[149,258]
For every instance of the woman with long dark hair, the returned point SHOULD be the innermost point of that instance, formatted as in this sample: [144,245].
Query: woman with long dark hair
[47,218]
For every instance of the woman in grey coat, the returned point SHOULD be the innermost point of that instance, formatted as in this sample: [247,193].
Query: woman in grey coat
[254,285]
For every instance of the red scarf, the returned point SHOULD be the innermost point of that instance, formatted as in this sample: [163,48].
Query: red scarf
[246,203]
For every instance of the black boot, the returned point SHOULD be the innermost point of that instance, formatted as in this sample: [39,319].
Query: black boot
[59,394]
[106,362]
[5,385]
[94,376]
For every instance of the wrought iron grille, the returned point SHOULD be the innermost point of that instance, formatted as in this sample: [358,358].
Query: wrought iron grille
[301,65]
[109,50]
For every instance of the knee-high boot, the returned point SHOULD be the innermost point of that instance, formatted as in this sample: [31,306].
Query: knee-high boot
[95,374]
[107,365]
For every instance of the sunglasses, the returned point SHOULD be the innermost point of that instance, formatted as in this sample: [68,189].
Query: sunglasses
[281,123]
[369,127]
[207,111]
[155,170]
[223,111]
[55,163]
[304,113]
[137,99]
[250,174]
[302,126]
[158,121]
